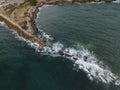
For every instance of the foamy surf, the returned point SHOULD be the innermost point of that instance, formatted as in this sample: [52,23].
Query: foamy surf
[116,1]
[2,23]
[92,66]
[82,59]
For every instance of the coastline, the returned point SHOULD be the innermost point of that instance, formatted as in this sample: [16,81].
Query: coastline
[31,27]
[21,31]
[34,16]
[30,35]
[27,28]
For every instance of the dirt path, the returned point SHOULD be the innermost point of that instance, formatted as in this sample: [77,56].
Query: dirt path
[21,31]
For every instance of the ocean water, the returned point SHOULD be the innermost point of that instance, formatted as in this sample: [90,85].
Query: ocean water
[92,26]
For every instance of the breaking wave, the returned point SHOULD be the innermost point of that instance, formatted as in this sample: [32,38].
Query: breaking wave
[85,61]
[2,23]
[82,59]
[116,1]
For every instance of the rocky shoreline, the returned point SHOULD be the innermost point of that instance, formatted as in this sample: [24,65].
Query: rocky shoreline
[34,16]
[21,31]
[26,30]
[25,25]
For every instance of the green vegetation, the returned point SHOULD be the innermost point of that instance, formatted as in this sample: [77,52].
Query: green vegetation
[33,2]
[10,8]
[26,12]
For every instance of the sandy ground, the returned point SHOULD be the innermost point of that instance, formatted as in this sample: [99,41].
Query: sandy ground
[16,12]
[12,1]
[21,31]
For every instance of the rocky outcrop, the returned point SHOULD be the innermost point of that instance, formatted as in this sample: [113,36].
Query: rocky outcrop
[30,22]
[21,31]
[33,17]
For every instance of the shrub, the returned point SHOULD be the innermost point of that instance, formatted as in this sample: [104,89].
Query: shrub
[33,2]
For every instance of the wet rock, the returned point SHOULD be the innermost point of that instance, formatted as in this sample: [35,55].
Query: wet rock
[61,53]
[85,58]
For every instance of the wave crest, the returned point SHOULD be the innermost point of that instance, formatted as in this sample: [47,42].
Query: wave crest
[81,58]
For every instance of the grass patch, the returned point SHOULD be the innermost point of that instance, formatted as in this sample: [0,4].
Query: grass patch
[32,2]
[10,8]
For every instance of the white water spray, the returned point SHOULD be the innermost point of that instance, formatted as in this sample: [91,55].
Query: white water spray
[82,59]
[2,23]
[116,1]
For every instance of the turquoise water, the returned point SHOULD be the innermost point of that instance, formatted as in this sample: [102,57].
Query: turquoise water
[93,26]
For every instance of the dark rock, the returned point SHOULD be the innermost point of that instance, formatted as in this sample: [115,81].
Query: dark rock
[61,53]
[85,58]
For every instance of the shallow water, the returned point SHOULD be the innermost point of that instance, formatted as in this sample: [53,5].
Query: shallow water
[91,26]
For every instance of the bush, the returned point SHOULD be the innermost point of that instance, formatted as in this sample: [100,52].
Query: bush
[26,13]
[33,2]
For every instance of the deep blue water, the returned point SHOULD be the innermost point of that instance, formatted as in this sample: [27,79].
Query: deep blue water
[93,26]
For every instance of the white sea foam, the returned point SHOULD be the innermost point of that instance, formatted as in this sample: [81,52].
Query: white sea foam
[34,45]
[44,6]
[101,2]
[91,65]
[82,59]
[96,2]
[116,1]
[2,23]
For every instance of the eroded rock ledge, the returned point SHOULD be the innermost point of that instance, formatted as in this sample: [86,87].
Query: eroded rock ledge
[20,15]
[23,12]
[21,31]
